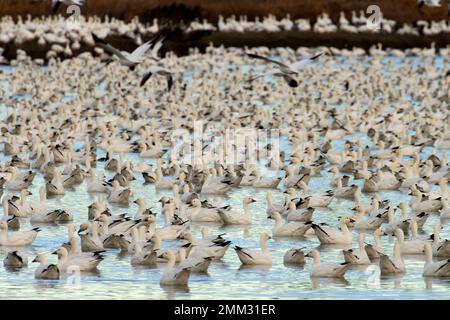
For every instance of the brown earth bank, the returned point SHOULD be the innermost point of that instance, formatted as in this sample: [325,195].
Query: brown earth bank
[180,43]
[187,10]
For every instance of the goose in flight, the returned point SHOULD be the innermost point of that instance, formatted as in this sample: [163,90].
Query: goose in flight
[57,3]
[132,59]
[159,71]
[286,71]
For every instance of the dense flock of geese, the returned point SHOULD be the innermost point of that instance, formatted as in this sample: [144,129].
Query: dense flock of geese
[67,35]
[371,134]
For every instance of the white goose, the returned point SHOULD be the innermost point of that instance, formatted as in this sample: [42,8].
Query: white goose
[288,229]
[326,270]
[118,194]
[231,217]
[199,214]
[45,270]
[389,266]
[16,238]
[85,262]
[435,269]
[172,275]
[375,251]
[328,235]
[41,205]
[195,263]
[142,257]
[440,248]
[252,257]
[357,257]
[294,256]
[96,183]
[294,214]
[414,246]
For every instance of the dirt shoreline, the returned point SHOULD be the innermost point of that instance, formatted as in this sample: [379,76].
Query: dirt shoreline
[180,43]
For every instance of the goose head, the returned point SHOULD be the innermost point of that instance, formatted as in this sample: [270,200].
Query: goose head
[40,258]
[61,252]
[248,200]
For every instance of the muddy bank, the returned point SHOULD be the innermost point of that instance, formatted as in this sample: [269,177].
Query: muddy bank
[187,10]
[180,43]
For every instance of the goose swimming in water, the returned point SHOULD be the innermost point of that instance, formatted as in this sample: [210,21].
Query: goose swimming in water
[252,257]
[230,217]
[85,262]
[46,270]
[16,238]
[173,275]
[294,256]
[328,235]
[435,269]
[327,270]
[15,259]
[389,266]
[359,257]
[289,229]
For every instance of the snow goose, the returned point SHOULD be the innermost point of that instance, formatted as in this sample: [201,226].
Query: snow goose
[284,70]
[260,182]
[230,217]
[142,209]
[275,207]
[294,256]
[89,237]
[430,205]
[216,185]
[215,250]
[15,259]
[118,194]
[389,266]
[142,257]
[16,238]
[328,235]
[345,192]
[374,251]
[367,222]
[45,270]
[197,213]
[41,205]
[252,257]
[55,186]
[294,214]
[85,262]
[12,220]
[435,269]
[445,211]
[172,275]
[414,246]
[196,264]
[96,183]
[440,248]
[130,60]
[45,217]
[161,71]
[332,270]
[357,257]
[289,229]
